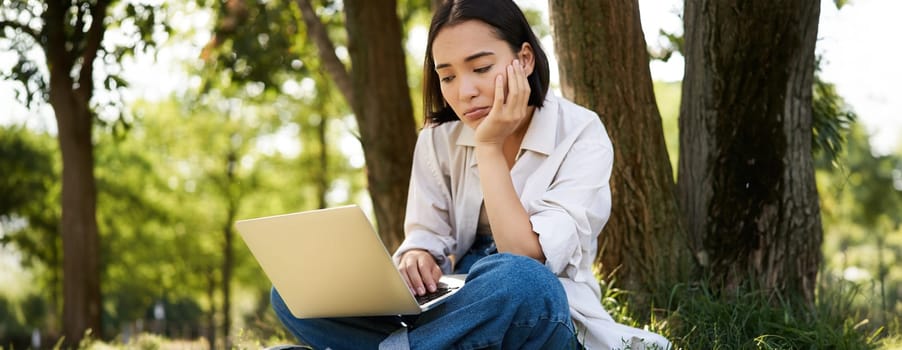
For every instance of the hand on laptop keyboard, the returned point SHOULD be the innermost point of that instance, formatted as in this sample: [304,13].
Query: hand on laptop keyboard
[440,289]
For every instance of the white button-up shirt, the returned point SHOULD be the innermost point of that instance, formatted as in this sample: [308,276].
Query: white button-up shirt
[561,176]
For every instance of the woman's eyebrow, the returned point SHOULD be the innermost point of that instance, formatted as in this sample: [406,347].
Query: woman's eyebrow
[468,59]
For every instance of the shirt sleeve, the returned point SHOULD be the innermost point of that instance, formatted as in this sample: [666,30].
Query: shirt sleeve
[570,215]
[427,223]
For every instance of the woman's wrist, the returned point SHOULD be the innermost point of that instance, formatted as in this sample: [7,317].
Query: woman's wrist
[489,150]
[489,145]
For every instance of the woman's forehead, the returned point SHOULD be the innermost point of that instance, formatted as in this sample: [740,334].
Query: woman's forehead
[456,43]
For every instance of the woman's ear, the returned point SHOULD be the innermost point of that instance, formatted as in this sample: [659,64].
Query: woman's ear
[527,58]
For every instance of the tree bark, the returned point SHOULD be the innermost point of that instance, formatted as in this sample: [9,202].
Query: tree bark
[746,175]
[330,62]
[81,244]
[381,103]
[228,261]
[603,64]
[322,175]
[70,98]
[211,314]
[382,106]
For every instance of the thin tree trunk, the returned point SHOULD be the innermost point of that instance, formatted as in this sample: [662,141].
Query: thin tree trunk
[604,66]
[81,245]
[228,260]
[746,175]
[383,109]
[70,98]
[377,91]
[53,330]
[323,172]
[211,314]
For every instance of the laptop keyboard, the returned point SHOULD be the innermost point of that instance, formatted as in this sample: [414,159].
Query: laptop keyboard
[440,290]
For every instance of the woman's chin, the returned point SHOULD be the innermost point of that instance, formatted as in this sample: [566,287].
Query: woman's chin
[473,124]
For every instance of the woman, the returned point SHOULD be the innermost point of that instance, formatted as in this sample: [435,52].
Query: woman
[510,181]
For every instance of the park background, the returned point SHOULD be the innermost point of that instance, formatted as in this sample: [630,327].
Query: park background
[196,124]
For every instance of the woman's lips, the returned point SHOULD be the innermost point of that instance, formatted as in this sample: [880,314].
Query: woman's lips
[476,113]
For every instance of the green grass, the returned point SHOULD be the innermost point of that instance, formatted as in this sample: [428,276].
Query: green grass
[698,318]
[691,316]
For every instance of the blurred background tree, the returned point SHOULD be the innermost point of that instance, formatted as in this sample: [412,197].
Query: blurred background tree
[70,38]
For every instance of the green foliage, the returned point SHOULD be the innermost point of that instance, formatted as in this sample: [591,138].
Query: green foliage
[26,161]
[23,32]
[29,206]
[667,96]
[18,317]
[861,205]
[538,23]
[831,120]
[256,44]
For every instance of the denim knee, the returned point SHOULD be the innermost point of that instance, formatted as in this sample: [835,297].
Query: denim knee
[521,279]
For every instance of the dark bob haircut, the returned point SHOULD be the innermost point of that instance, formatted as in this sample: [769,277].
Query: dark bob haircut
[509,25]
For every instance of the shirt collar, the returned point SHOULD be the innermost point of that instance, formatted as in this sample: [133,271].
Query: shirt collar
[540,136]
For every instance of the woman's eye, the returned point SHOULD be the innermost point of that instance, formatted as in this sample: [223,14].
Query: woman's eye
[447,79]
[483,69]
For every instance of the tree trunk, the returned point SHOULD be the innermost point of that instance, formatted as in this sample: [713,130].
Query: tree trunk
[81,245]
[604,66]
[322,174]
[383,109]
[746,175]
[53,317]
[211,314]
[70,99]
[228,260]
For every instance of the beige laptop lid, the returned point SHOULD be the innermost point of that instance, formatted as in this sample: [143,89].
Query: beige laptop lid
[328,263]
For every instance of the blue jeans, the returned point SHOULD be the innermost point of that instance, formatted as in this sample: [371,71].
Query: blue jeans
[483,246]
[508,302]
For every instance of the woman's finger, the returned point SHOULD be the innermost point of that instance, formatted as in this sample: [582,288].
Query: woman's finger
[524,81]
[406,279]
[436,273]
[499,93]
[424,265]
[411,268]
[513,92]
[523,84]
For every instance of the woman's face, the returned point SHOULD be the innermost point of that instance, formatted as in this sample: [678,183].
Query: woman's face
[468,56]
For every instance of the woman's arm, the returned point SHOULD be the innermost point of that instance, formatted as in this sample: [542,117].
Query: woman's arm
[510,223]
[427,225]
[511,227]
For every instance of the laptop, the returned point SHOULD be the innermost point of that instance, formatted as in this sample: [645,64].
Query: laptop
[331,263]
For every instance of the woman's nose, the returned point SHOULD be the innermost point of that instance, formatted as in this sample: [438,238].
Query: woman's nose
[467,89]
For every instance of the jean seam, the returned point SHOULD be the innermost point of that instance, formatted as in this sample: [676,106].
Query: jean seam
[533,322]
[479,345]
[494,342]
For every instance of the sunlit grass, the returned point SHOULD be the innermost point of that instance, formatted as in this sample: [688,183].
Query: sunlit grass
[698,318]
